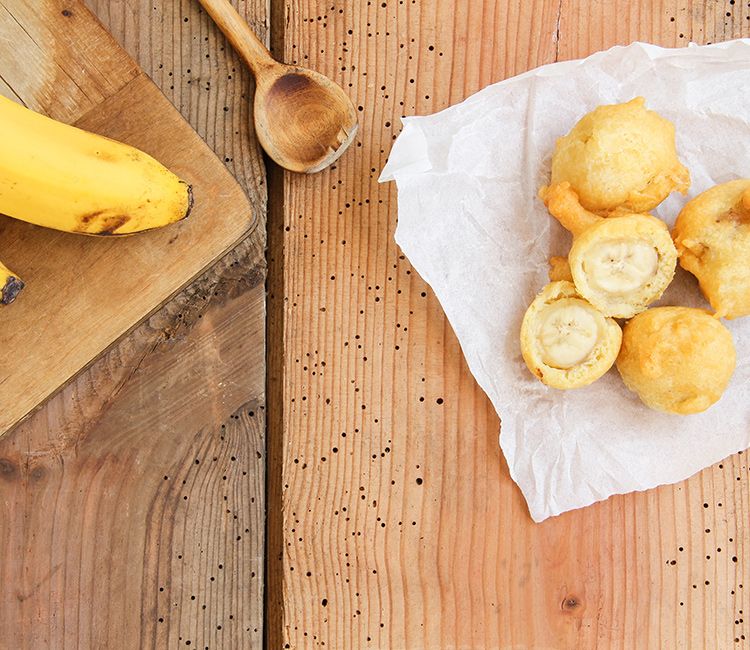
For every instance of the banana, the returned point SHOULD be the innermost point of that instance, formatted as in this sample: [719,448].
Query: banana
[619,266]
[61,177]
[10,285]
[568,332]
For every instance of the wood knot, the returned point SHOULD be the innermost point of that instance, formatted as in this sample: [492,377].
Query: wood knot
[571,604]
[37,473]
[8,469]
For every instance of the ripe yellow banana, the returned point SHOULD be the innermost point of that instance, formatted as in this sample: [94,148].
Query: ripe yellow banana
[58,176]
[10,285]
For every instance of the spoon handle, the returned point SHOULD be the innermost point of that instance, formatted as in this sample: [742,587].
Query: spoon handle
[239,34]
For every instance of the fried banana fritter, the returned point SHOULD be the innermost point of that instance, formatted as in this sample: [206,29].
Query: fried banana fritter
[565,341]
[712,234]
[677,359]
[619,264]
[620,158]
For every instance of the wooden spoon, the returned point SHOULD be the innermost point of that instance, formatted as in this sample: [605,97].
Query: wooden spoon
[304,120]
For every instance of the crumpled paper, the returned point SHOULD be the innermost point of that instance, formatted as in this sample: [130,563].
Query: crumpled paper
[470,223]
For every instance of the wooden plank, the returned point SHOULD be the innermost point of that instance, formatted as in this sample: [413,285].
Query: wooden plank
[132,505]
[98,289]
[51,56]
[97,547]
[400,526]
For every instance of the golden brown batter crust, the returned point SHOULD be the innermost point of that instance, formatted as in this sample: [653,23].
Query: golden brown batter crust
[712,234]
[677,359]
[620,158]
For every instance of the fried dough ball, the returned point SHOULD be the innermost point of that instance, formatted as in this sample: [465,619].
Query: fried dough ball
[677,359]
[565,341]
[619,264]
[620,158]
[712,234]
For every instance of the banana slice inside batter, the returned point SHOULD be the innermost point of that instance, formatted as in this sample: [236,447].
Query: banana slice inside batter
[565,341]
[620,266]
[623,264]
[568,331]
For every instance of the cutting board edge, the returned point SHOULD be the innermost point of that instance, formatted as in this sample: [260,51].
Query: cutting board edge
[143,78]
[9,430]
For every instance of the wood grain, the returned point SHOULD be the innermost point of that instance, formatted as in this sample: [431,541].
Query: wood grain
[98,289]
[400,526]
[131,504]
[51,58]
[129,516]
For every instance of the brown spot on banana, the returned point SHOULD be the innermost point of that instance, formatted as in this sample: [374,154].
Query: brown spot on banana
[86,218]
[111,224]
[97,225]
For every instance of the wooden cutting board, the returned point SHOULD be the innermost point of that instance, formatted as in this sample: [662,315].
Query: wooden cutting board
[83,293]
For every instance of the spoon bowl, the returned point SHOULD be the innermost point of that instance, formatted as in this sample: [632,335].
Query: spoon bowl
[304,121]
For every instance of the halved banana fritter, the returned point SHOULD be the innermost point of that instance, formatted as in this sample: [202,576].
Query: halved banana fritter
[677,359]
[620,158]
[712,234]
[619,264]
[565,341]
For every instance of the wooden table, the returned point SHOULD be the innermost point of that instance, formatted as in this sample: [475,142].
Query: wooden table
[392,520]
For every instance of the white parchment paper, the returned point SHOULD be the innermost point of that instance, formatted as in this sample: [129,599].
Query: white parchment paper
[470,223]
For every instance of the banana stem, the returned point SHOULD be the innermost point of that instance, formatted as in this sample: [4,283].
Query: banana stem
[10,285]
